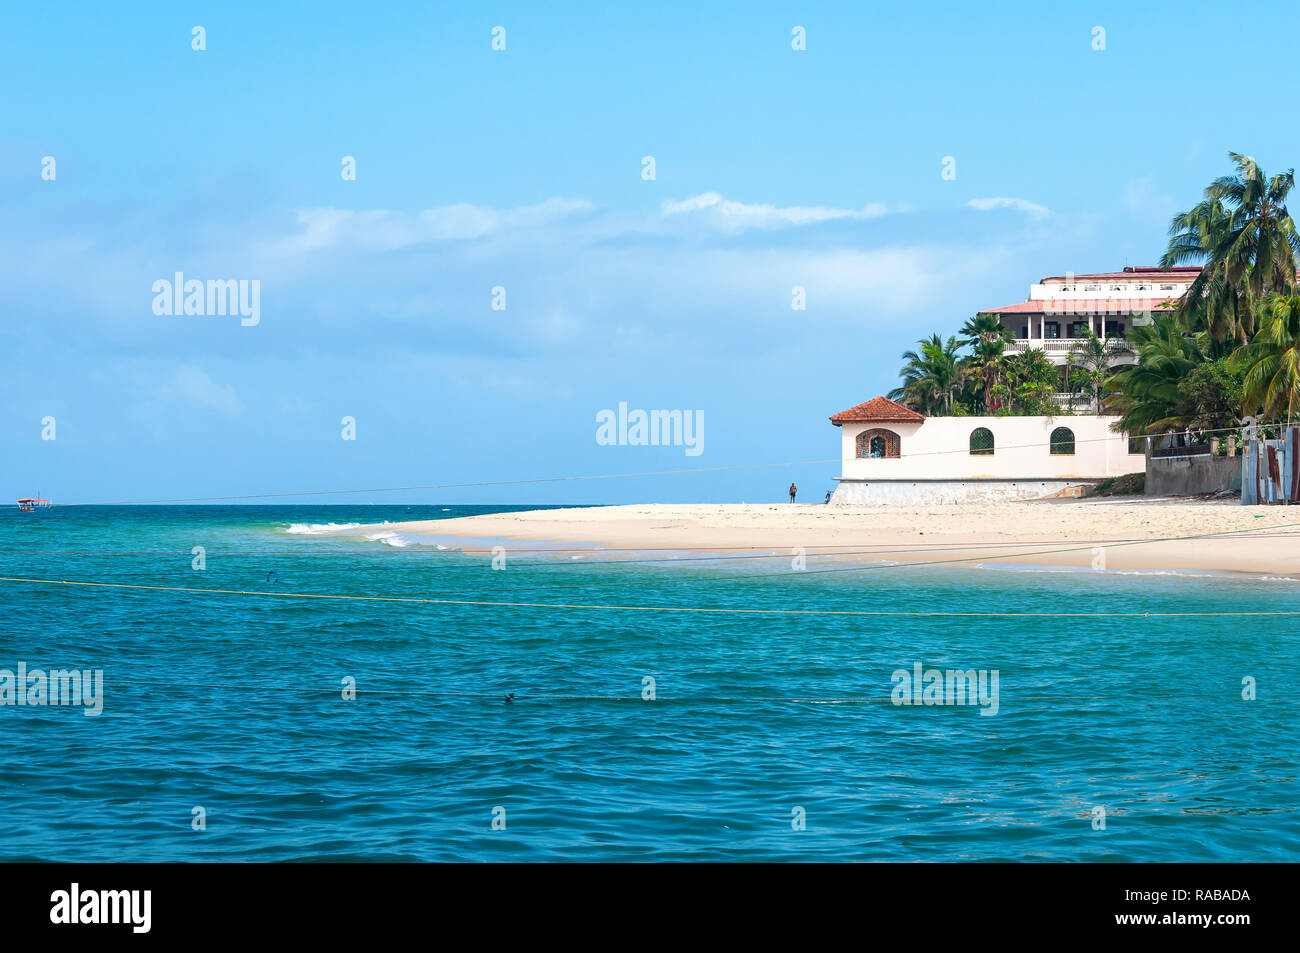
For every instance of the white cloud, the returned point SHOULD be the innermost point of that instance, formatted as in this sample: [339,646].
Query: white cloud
[1001,201]
[736,298]
[317,230]
[323,228]
[194,384]
[735,216]
[685,275]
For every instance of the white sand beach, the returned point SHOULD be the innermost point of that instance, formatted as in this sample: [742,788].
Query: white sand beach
[1127,533]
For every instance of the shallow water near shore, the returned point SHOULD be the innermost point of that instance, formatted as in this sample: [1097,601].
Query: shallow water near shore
[233,702]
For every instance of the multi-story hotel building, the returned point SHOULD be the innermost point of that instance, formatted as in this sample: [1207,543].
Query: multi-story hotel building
[1065,307]
[1060,310]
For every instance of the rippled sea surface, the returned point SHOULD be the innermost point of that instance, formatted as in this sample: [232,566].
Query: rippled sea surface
[233,703]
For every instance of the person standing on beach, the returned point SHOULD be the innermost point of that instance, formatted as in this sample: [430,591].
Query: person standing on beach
[793,490]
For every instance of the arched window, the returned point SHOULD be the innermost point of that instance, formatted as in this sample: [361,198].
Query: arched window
[981,442]
[877,443]
[1063,441]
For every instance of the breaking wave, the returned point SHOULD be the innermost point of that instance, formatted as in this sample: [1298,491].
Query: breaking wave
[316,529]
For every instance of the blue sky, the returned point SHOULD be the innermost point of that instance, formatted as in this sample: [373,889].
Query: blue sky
[523,169]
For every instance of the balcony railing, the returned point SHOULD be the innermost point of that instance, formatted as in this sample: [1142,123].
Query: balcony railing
[1044,344]
[1060,345]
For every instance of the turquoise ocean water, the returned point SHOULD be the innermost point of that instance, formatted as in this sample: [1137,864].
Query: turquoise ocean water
[234,704]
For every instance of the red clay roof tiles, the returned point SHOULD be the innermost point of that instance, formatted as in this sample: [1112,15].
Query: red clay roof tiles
[877,409]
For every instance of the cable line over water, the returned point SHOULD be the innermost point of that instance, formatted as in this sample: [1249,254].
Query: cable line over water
[415,600]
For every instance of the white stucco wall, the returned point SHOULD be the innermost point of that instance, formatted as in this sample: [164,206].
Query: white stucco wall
[939,449]
[1160,287]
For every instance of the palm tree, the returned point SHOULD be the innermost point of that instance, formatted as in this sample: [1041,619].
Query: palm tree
[1032,379]
[1212,303]
[984,327]
[1260,242]
[1271,361]
[1244,234]
[1193,233]
[1146,395]
[987,339]
[986,364]
[1093,357]
[931,377]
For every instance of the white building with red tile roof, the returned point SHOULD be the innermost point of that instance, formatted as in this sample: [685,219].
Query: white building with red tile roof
[891,454]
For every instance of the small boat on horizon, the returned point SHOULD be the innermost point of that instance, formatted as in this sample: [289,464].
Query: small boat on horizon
[29,504]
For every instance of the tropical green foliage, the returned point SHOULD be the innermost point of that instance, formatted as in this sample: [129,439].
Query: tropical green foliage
[1146,395]
[932,376]
[1130,484]
[1091,358]
[1173,386]
[1211,397]
[987,339]
[939,379]
[1270,363]
[1245,239]
[1032,379]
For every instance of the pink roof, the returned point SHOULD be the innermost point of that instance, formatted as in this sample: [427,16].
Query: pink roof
[1179,274]
[1082,306]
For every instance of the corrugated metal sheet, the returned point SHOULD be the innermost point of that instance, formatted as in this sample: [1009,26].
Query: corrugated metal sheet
[1270,470]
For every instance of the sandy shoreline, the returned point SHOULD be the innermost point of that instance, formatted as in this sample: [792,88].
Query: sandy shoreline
[1014,532]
